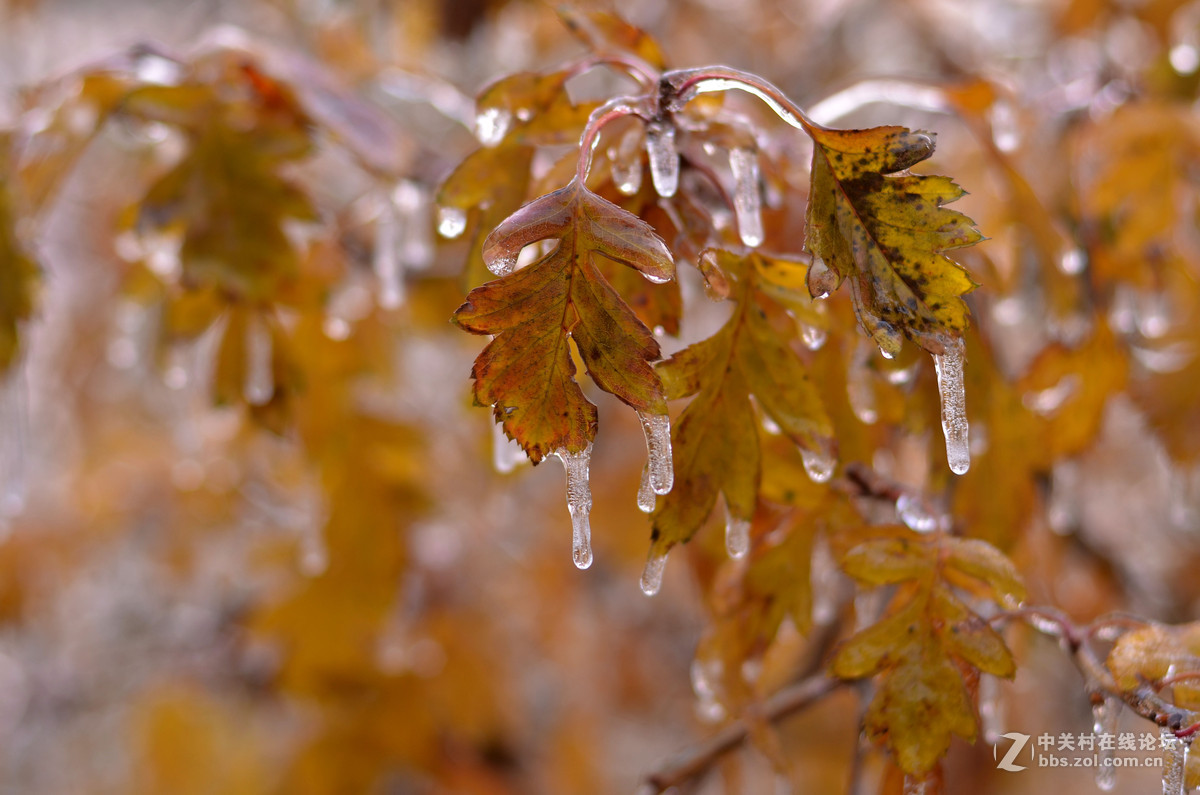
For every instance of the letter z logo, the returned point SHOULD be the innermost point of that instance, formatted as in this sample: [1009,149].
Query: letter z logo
[1018,742]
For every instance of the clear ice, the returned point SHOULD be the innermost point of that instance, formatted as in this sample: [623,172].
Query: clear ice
[949,366]
[737,534]
[1105,714]
[385,260]
[1174,762]
[491,125]
[664,159]
[914,513]
[646,496]
[652,575]
[747,200]
[818,465]
[627,163]
[451,222]
[579,503]
[657,428]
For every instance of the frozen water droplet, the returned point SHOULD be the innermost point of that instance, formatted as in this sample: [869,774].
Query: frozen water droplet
[813,337]
[1048,401]
[914,513]
[412,204]
[747,199]
[507,455]
[737,534]
[491,125]
[859,387]
[646,497]
[451,222]
[822,280]
[258,386]
[657,429]
[1105,714]
[152,68]
[949,367]
[502,264]
[991,711]
[385,260]
[1153,314]
[1174,762]
[770,425]
[652,575]
[664,159]
[1184,58]
[1072,262]
[818,464]
[627,162]
[579,502]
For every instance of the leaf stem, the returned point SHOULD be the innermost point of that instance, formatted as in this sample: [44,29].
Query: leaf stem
[610,111]
[686,84]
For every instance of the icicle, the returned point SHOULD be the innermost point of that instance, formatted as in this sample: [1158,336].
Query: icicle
[415,243]
[385,260]
[818,465]
[914,513]
[991,710]
[1174,762]
[813,337]
[949,367]
[664,159]
[646,497]
[859,389]
[491,125]
[653,573]
[1105,714]
[507,455]
[1153,315]
[451,222]
[1006,132]
[825,575]
[579,502]
[747,199]
[737,534]
[657,428]
[627,163]
[14,442]
[259,385]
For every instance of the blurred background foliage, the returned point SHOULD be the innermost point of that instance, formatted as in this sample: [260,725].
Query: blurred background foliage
[255,541]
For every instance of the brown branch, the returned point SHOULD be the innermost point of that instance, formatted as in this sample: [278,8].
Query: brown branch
[696,760]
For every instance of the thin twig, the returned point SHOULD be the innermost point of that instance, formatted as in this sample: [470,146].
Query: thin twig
[694,761]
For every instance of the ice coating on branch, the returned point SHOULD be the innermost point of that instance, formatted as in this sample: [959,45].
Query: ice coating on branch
[818,464]
[664,159]
[626,160]
[385,260]
[657,428]
[652,575]
[813,337]
[1104,721]
[259,385]
[747,199]
[915,513]
[491,125]
[1174,762]
[646,496]
[507,455]
[737,534]
[451,222]
[579,502]
[949,366]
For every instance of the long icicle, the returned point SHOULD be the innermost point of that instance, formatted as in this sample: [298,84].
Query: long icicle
[657,428]
[579,503]
[949,366]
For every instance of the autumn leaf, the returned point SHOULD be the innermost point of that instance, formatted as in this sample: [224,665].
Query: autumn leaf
[526,373]
[607,33]
[927,635]
[17,277]
[715,441]
[887,231]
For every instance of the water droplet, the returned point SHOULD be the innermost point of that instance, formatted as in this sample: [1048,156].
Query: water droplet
[747,198]
[259,385]
[949,367]
[652,575]
[579,502]
[813,337]
[822,280]
[818,464]
[657,429]
[737,534]
[915,513]
[770,425]
[664,159]
[491,125]
[451,222]
[627,162]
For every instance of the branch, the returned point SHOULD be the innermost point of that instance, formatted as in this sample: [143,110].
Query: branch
[696,760]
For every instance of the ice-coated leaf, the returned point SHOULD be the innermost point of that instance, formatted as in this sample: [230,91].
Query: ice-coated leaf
[716,438]
[887,230]
[526,373]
